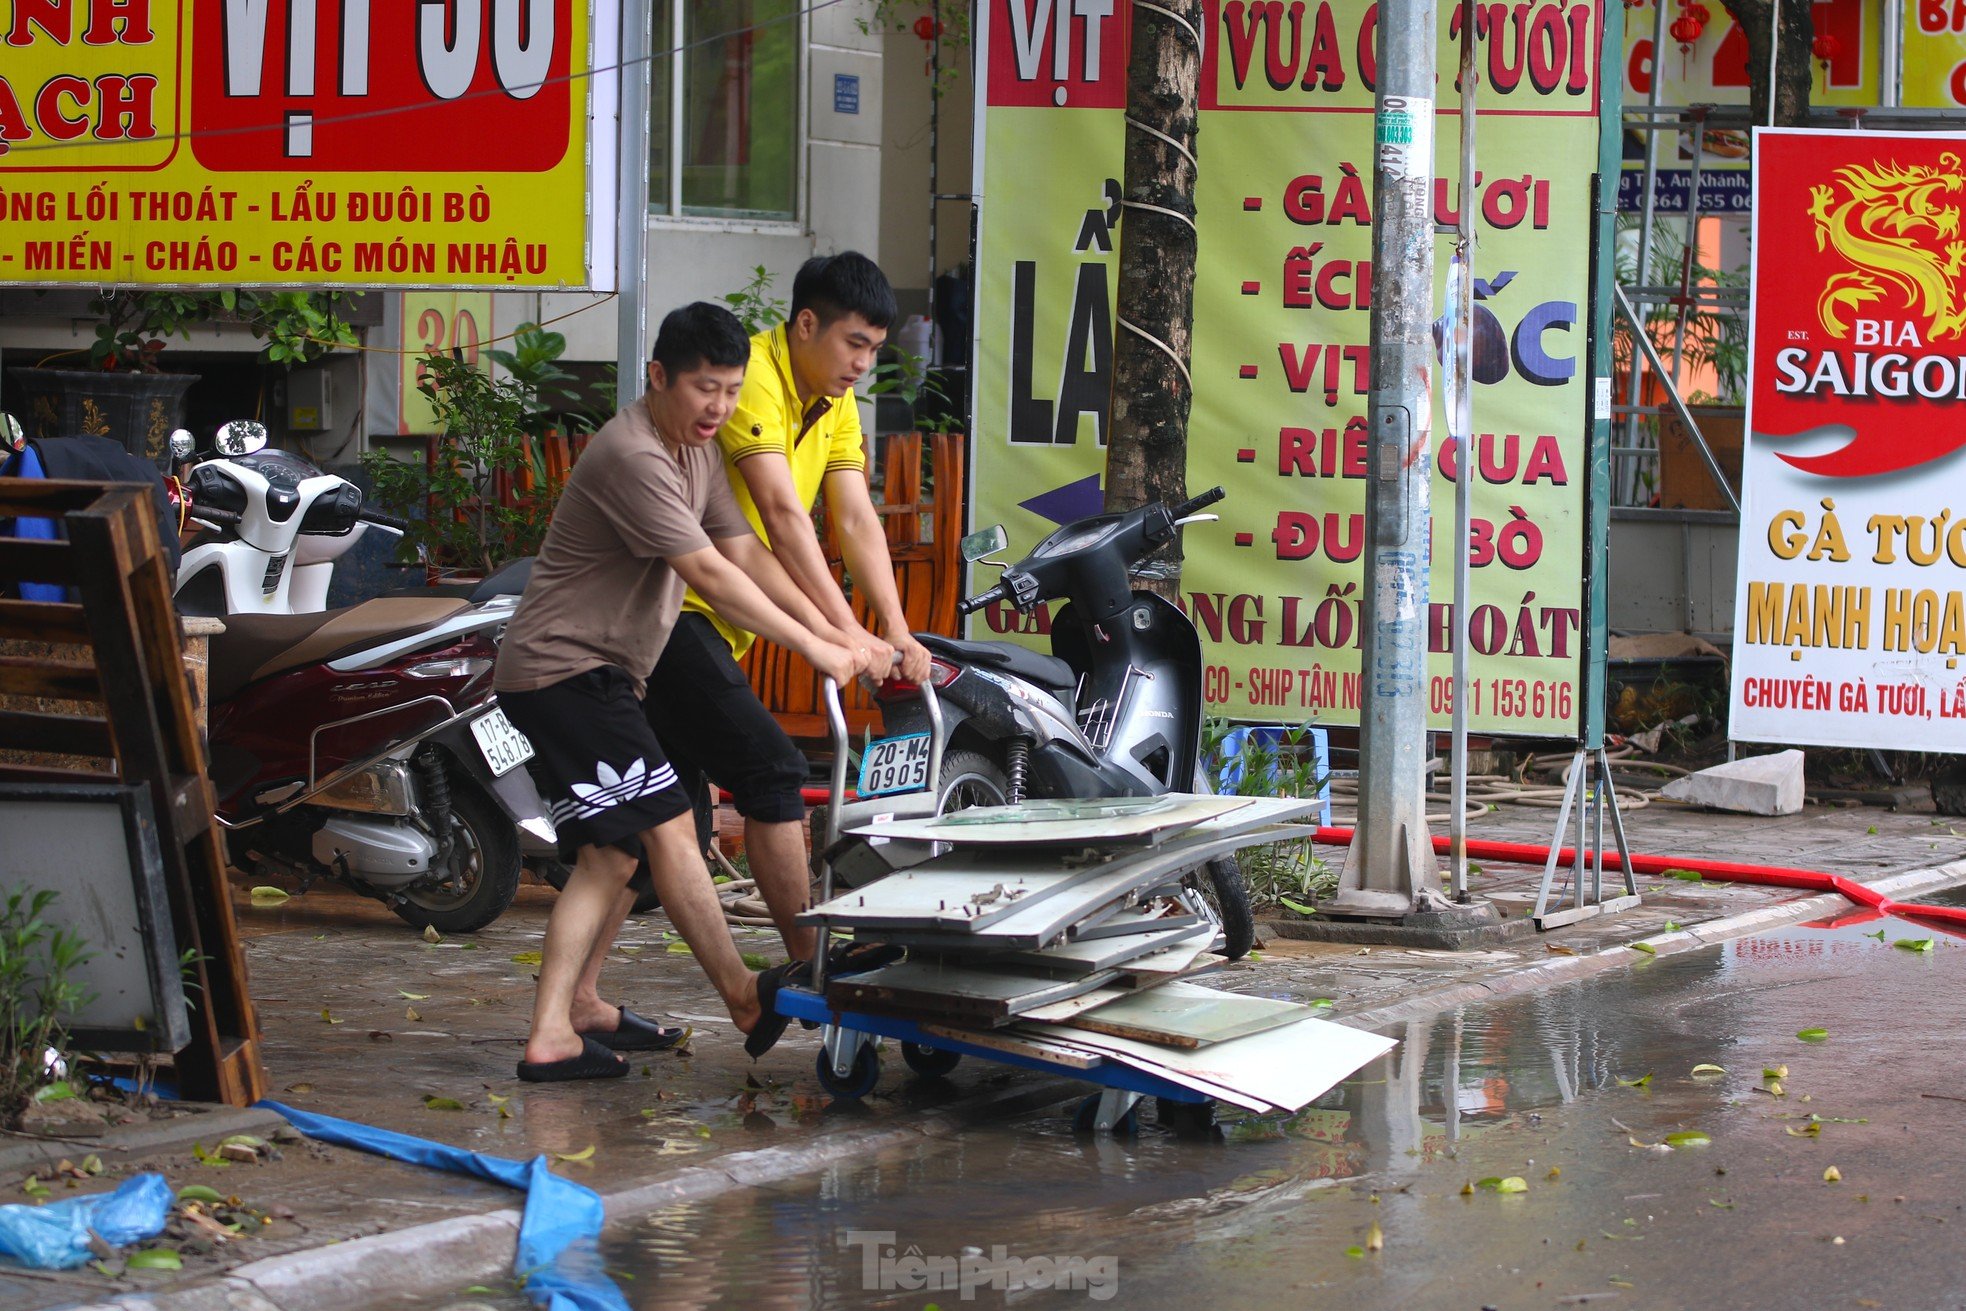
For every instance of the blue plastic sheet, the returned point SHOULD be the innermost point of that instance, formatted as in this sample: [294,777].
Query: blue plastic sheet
[56,1236]
[559,1232]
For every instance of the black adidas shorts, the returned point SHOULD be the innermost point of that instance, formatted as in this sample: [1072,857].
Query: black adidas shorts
[600,771]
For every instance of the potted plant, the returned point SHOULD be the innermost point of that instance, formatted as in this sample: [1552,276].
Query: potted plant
[126,394]
[483,494]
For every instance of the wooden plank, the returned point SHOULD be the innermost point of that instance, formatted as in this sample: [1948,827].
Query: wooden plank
[26,676]
[23,560]
[1058,1053]
[10,773]
[43,621]
[46,498]
[63,735]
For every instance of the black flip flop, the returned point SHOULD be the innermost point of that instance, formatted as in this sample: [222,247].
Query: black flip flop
[635,1034]
[594,1062]
[771,1025]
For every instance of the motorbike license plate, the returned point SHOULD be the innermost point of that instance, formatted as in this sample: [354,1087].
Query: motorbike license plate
[504,747]
[895,764]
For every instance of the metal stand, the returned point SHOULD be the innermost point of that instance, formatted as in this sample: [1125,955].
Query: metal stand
[1592,793]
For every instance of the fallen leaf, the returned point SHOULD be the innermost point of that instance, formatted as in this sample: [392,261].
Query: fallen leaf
[430,933]
[1555,1173]
[329,1016]
[1872,830]
[1773,1088]
[432,1102]
[1879,935]
[1555,950]
[1639,1082]
[1297,906]
[528,958]
[1813,1035]
[1514,1183]
[1671,926]
[1725,1206]
[1688,1138]
[1320,1003]
[1832,1176]
[154,1258]
[1774,1071]
[300,1087]
[1645,947]
[266,895]
[413,996]
[1467,1190]
[1914,944]
[1685,875]
[1355,1252]
[1810,1130]
[410,1013]
[496,1100]
[680,949]
[1707,1071]
[584,1154]
[199,1193]
[1375,1238]
[754,960]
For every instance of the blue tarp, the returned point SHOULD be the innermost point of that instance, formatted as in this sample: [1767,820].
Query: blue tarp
[56,1236]
[559,1255]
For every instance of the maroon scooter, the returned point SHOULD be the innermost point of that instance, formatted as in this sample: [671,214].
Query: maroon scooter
[364,745]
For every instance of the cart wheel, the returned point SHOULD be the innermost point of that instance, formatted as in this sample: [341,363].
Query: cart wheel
[929,1062]
[1087,1118]
[860,1080]
[1185,1119]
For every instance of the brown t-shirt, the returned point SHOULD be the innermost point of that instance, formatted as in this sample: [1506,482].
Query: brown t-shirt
[602,591]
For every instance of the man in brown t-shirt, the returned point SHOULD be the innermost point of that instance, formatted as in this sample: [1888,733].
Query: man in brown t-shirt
[646,510]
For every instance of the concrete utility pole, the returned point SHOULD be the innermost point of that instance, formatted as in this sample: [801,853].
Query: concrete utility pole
[632,197]
[1389,870]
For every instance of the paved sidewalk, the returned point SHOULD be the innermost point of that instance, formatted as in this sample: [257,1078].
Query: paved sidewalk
[365,1020]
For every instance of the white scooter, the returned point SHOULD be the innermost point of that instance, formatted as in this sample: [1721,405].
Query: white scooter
[284,522]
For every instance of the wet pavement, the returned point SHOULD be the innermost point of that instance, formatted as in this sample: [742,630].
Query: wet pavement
[364,1020]
[1375,1198]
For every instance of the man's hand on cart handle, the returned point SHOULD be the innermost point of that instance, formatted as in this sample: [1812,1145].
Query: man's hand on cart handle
[832,660]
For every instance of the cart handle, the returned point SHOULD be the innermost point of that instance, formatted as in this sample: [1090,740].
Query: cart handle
[836,795]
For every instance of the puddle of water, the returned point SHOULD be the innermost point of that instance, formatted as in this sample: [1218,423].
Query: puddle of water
[1573,1090]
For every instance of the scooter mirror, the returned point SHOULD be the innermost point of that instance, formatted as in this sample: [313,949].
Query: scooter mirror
[10,429]
[183,445]
[984,543]
[240,437]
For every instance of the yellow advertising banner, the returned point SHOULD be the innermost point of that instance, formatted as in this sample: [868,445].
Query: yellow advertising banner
[438,323]
[337,143]
[1935,54]
[1283,299]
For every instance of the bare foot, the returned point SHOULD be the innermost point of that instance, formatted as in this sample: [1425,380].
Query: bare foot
[600,1017]
[543,1049]
[746,1013]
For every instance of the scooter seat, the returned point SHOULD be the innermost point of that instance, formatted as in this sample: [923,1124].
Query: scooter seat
[1046,671]
[253,647]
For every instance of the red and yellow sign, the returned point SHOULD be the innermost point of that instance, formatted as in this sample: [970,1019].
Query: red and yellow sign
[330,143]
[1850,610]
[1935,54]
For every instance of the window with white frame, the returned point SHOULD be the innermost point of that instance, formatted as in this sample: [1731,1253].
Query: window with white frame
[724,111]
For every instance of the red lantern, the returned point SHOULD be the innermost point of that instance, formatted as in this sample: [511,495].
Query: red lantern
[927,27]
[1825,47]
[1685,29]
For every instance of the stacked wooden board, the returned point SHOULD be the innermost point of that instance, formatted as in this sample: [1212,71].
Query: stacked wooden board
[1064,932]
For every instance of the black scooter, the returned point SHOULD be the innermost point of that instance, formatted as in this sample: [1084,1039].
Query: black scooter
[1114,711]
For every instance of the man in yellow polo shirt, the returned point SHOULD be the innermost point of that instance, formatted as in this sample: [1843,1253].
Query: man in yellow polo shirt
[794,434]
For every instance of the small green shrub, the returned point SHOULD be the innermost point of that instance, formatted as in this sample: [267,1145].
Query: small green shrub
[37,963]
[1278,873]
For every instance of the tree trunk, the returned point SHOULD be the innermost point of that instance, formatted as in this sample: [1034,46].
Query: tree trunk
[1794,70]
[1147,449]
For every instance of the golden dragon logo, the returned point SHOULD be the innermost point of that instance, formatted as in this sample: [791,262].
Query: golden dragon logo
[1898,227]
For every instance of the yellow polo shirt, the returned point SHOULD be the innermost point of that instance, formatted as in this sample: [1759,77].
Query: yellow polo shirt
[826,436]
